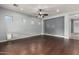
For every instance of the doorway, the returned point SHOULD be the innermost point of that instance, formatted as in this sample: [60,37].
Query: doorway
[75,27]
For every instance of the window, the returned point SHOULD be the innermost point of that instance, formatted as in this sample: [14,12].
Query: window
[8,20]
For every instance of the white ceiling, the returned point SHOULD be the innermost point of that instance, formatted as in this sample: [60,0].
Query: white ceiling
[51,9]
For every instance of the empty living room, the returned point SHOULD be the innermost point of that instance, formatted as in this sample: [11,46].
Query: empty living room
[39,29]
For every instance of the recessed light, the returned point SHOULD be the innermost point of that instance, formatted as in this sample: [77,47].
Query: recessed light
[30,33]
[21,9]
[39,23]
[32,22]
[57,10]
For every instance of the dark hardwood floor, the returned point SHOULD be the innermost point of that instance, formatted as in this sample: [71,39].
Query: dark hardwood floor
[40,45]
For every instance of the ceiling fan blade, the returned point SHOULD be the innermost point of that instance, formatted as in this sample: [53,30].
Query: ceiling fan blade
[45,14]
[15,5]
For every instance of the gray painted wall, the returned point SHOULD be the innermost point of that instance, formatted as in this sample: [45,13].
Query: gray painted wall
[54,26]
[22,25]
[75,26]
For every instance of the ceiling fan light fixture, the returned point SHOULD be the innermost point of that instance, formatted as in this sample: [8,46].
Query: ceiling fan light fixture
[41,14]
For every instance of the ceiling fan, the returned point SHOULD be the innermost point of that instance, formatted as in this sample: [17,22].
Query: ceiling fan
[41,13]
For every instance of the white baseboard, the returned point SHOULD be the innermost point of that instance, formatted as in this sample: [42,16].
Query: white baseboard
[19,38]
[34,35]
[42,34]
[3,41]
[57,36]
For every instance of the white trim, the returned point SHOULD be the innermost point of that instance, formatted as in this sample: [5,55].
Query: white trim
[66,26]
[42,34]
[3,41]
[57,36]
[25,36]
[42,21]
[19,38]
[35,35]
